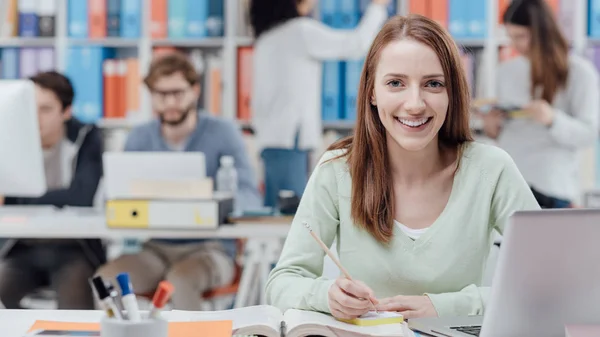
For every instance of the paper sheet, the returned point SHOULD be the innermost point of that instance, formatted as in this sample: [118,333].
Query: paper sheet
[176,329]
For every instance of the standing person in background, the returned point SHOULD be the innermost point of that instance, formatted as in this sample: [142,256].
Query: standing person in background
[193,266]
[73,166]
[286,100]
[558,92]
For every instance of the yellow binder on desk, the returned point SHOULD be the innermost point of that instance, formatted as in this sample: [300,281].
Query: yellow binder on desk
[167,214]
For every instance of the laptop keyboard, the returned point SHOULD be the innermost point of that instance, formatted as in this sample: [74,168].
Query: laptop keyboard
[469,330]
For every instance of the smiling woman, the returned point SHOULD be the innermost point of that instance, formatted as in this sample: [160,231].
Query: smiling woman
[410,197]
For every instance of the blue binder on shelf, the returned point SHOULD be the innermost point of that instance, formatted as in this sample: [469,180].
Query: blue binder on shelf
[594,18]
[332,70]
[77,19]
[458,18]
[176,18]
[216,22]
[10,63]
[197,16]
[351,11]
[131,25]
[84,68]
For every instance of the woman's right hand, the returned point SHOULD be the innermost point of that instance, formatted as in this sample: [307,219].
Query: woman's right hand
[492,123]
[349,299]
[382,2]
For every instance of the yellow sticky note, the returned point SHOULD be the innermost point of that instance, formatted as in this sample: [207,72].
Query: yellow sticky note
[373,318]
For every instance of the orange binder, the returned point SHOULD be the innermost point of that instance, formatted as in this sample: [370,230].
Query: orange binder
[97,18]
[244,83]
[418,7]
[555,5]
[158,19]
[502,6]
[121,76]
[109,69]
[10,24]
[438,11]
[133,81]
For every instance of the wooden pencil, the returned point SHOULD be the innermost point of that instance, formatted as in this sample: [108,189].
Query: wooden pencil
[333,258]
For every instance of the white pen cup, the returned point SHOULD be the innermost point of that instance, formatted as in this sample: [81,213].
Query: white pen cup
[110,327]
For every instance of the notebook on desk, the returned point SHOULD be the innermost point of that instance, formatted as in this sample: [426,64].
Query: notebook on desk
[269,321]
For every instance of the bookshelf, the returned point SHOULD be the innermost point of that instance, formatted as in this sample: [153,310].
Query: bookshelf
[236,34]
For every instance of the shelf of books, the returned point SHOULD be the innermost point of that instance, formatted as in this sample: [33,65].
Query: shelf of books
[105,47]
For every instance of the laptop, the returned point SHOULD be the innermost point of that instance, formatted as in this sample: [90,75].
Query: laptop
[122,169]
[547,276]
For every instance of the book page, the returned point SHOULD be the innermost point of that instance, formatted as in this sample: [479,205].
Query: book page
[243,318]
[303,320]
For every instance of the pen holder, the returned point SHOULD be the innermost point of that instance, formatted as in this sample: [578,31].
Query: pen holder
[110,327]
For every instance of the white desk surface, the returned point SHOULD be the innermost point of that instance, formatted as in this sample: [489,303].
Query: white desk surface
[15,323]
[47,223]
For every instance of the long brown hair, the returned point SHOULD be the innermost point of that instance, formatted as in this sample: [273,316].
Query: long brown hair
[549,50]
[366,150]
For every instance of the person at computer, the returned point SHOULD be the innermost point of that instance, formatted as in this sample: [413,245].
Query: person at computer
[289,52]
[558,93]
[193,266]
[410,196]
[73,166]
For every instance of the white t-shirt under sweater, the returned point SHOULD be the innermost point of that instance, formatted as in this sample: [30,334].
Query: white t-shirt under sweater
[548,158]
[287,67]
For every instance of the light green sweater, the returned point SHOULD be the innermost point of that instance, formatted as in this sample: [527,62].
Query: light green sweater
[447,262]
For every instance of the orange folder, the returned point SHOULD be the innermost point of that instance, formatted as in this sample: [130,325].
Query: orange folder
[438,11]
[158,19]
[133,82]
[244,83]
[121,81]
[176,329]
[502,6]
[111,86]
[418,7]
[97,18]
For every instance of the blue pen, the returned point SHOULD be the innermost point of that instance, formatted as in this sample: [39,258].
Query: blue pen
[128,297]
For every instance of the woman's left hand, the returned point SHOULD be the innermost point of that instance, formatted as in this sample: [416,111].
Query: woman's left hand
[540,111]
[408,306]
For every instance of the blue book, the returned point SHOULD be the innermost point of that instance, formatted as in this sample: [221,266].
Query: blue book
[594,18]
[349,14]
[477,19]
[113,18]
[352,80]
[28,19]
[84,68]
[458,18]
[197,17]
[10,63]
[350,11]
[332,70]
[77,19]
[130,23]
[216,22]
[177,18]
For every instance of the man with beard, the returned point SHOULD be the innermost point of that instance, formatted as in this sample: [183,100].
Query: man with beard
[192,266]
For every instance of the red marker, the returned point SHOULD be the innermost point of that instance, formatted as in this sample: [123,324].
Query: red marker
[161,297]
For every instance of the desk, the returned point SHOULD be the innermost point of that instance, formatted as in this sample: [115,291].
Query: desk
[15,323]
[262,248]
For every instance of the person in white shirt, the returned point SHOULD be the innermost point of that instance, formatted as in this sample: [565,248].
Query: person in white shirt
[558,93]
[286,100]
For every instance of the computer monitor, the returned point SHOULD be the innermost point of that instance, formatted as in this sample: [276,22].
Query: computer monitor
[21,158]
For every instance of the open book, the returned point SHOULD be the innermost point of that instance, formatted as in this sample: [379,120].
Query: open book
[268,321]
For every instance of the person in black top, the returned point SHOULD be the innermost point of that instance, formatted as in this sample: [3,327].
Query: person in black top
[73,167]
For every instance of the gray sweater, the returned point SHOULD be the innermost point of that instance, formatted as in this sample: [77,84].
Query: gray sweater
[548,158]
[215,137]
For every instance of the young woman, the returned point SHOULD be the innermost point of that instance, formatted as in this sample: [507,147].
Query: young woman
[558,92]
[411,198]
[286,101]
